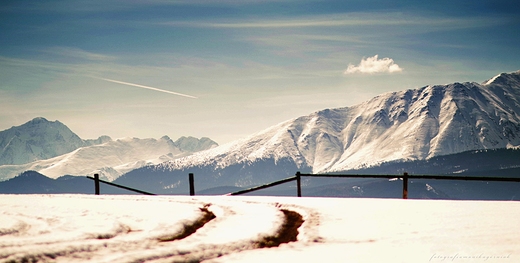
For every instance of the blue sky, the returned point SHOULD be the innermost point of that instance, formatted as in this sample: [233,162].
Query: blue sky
[250,64]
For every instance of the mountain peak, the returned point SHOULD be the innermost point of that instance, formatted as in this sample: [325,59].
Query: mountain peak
[38,120]
[504,78]
[192,144]
[36,140]
[166,138]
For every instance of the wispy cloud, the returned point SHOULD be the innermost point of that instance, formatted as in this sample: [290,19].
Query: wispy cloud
[373,65]
[315,21]
[77,54]
[344,19]
[118,5]
[298,39]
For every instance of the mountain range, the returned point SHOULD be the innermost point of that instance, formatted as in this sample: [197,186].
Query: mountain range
[52,149]
[414,124]
[39,139]
[498,162]
[406,125]
[388,133]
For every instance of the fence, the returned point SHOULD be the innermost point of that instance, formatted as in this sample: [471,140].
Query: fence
[97,189]
[405,177]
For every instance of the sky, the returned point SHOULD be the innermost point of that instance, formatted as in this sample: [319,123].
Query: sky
[227,69]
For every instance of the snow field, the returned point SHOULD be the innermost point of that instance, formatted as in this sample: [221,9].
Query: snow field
[81,228]
[66,228]
[395,230]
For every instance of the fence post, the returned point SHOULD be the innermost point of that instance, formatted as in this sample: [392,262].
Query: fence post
[405,186]
[96,184]
[298,184]
[192,186]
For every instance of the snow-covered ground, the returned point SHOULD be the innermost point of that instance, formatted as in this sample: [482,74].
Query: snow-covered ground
[80,228]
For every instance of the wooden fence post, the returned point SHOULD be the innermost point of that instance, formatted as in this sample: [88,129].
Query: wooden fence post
[96,183]
[298,184]
[192,186]
[405,186]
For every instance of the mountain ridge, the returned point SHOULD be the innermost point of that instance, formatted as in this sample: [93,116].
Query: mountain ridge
[39,139]
[413,124]
[471,163]
[62,152]
[409,125]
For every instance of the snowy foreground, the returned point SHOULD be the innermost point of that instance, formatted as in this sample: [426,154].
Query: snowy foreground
[79,228]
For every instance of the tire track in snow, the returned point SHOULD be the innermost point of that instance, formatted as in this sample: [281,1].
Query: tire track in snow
[16,229]
[244,225]
[286,232]
[64,250]
[189,229]
[308,233]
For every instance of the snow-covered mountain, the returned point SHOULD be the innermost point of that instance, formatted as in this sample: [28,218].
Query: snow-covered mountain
[406,125]
[411,124]
[54,151]
[496,163]
[113,158]
[39,139]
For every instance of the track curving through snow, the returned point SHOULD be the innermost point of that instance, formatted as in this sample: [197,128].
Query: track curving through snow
[83,228]
[79,228]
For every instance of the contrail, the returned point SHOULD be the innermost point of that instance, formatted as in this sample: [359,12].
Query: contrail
[147,87]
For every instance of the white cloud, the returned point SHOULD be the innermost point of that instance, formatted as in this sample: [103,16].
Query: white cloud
[373,65]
